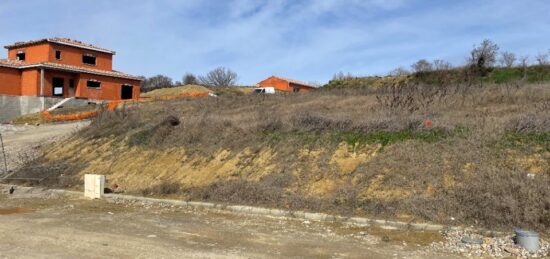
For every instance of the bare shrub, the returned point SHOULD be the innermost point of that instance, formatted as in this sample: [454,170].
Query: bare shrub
[163,188]
[531,123]
[507,59]
[190,79]
[156,82]
[483,57]
[219,77]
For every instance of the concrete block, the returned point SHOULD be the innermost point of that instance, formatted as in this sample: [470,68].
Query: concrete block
[94,185]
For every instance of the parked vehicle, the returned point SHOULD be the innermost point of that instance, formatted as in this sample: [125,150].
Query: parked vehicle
[264,90]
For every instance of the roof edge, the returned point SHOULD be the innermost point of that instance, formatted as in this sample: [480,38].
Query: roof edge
[53,40]
[99,73]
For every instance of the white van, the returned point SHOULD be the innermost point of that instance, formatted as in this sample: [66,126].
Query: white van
[264,90]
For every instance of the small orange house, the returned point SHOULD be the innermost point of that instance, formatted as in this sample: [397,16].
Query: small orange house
[61,67]
[285,84]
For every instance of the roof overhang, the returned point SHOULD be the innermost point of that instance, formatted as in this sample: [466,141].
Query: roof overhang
[54,41]
[77,70]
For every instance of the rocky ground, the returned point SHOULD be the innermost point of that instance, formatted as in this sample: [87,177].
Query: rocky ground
[492,245]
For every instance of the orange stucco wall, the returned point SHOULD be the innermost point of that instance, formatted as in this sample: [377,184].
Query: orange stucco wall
[10,81]
[277,83]
[30,82]
[33,54]
[45,52]
[73,56]
[110,87]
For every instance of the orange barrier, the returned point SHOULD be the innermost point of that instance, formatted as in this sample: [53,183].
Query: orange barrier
[111,107]
[77,116]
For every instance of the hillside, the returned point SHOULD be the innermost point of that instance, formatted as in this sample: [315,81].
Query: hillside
[497,75]
[454,155]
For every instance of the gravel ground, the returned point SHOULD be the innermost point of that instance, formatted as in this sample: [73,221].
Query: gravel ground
[41,225]
[496,246]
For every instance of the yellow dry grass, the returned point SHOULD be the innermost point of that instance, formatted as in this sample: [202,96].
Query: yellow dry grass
[179,90]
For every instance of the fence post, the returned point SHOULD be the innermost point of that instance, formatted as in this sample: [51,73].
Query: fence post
[4,155]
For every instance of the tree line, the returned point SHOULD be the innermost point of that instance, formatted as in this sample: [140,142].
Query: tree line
[481,60]
[218,77]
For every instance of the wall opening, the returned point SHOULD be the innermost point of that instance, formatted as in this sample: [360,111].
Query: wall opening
[126,92]
[58,54]
[93,84]
[57,84]
[88,59]
[20,56]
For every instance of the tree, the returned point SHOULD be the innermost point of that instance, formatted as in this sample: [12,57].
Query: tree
[422,66]
[190,79]
[341,76]
[542,59]
[507,59]
[483,57]
[400,71]
[156,82]
[441,65]
[524,63]
[219,77]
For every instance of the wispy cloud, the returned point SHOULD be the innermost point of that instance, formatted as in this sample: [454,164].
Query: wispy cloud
[305,39]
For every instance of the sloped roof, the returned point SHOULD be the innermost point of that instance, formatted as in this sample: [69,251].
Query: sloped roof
[297,82]
[62,41]
[11,63]
[22,65]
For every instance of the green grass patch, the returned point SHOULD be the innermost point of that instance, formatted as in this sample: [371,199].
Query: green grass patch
[527,140]
[357,138]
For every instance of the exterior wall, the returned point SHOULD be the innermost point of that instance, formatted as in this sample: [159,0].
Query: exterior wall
[45,52]
[48,82]
[282,85]
[302,88]
[33,54]
[73,56]
[10,81]
[30,82]
[110,87]
[278,84]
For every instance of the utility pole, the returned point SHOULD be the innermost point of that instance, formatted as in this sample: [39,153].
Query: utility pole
[4,155]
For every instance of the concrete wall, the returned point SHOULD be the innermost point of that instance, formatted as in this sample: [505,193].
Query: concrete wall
[14,106]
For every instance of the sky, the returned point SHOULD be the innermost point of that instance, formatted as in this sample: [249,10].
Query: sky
[307,40]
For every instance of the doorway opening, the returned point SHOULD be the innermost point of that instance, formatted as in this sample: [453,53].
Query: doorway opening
[57,84]
[126,92]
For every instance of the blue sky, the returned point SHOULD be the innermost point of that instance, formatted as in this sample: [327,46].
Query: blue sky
[308,40]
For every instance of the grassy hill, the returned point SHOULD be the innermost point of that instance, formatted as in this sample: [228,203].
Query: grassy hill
[454,155]
[499,76]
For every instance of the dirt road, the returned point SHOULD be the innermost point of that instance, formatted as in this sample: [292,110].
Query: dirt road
[21,140]
[33,226]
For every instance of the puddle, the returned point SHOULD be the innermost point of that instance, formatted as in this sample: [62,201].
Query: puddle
[8,211]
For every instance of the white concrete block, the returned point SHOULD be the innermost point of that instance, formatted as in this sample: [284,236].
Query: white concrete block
[94,185]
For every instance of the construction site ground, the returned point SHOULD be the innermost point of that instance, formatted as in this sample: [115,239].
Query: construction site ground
[39,224]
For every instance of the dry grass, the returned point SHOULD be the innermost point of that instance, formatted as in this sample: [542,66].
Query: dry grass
[178,90]
[484,160]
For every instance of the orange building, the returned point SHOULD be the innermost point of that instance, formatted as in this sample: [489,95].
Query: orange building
[61,67]
[285,84]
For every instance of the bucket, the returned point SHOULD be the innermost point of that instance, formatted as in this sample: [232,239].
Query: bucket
[528,240]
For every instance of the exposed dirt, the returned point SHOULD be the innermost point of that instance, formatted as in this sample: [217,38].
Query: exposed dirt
[21,140]
[61,227]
